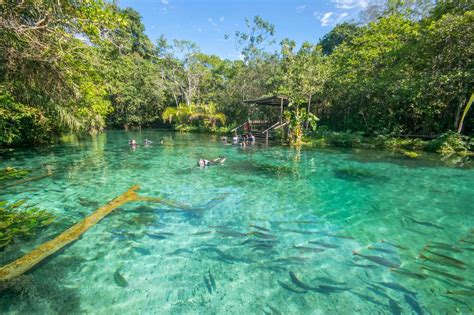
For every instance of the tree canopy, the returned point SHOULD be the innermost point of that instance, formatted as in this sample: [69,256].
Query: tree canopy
[405,67]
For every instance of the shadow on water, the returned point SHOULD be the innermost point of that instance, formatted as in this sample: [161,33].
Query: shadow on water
[264,169]
[360,175]
[43,289]
[427,159]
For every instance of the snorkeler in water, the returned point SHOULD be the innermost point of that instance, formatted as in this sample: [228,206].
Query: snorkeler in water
[204,162]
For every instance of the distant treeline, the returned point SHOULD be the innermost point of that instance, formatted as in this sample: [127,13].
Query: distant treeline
[406,67]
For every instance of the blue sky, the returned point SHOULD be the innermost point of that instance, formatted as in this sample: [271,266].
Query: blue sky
[205,22]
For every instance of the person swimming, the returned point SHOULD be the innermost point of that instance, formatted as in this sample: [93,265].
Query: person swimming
[204,162]
[146,141]
[133,143]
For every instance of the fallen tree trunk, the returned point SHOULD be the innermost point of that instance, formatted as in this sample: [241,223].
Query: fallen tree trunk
[29,260]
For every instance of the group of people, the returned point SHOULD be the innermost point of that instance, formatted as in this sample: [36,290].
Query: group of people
[243,140]
[133,143]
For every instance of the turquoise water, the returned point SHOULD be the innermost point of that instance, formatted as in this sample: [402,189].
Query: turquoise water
[243,248]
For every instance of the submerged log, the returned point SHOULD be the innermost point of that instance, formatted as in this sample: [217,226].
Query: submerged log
[28,261]
[25,180]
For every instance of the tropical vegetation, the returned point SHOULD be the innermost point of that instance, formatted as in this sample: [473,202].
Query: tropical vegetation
[404,68]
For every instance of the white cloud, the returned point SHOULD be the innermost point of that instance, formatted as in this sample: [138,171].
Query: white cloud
[330,18]
[300,8]
[210,20]
[165,1]
[342,16]
[221,19]
[326,19]
[350,4]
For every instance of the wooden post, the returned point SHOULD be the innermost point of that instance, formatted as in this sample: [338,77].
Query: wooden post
[281,109]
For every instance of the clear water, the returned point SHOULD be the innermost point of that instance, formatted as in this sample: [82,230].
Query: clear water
[299,196]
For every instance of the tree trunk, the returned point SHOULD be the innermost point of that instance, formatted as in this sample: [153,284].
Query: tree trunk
[309,107]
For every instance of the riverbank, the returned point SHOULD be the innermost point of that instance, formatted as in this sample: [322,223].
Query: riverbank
[449,143]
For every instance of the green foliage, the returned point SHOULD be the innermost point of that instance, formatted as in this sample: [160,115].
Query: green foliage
[77,67]
[194,115]
[402,75]
[22,124]
[20,221]
[339,34]
[451,142]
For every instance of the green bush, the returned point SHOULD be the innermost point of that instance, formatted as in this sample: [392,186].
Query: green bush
[451,142]
[21,124]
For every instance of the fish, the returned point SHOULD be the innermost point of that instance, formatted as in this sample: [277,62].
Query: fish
[442,273]
[466,241]
[211,279]
[413,304]
[396,287]
[378,291]
[201,233]
[219,226]
[353,264]
[156,236]
[382,250]
[261,228]
[410,274]
[305,222]
[300,284]
[425,223]
[453,249]
[208,285]
[394,307]
[266,245]
[162,233]
[231,233]
[347,237]
[263,247]
[324,244]
[443,261]
[257,241]
[325,289]
[379,260]
[394,245]
[119,279]
[368,299]
[142,250]
[461,292]
[299,231]
[308,249]
[454,260]
[328,280]
[225,257]
[180,251]
[287,287]
[88,203]
[262,235]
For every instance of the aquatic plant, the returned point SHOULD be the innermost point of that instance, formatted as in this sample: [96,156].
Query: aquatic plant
[12,173]
[20,221]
